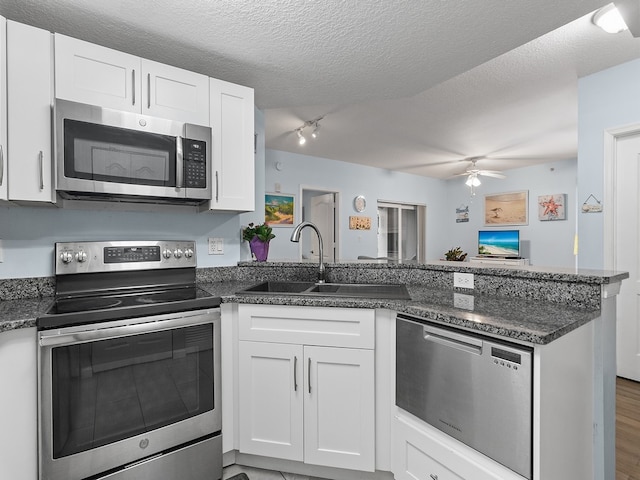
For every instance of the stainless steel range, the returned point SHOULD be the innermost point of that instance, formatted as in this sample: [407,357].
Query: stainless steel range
[129,366]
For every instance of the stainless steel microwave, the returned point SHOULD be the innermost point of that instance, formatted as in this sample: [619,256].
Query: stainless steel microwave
[104,154]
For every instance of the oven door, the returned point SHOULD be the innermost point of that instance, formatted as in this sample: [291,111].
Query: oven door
[116,393]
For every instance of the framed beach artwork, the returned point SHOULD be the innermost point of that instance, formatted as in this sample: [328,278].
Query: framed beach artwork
[509,208]
[552,207]
[279,209]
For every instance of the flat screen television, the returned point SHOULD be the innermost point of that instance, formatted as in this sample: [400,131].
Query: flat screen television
[499,243]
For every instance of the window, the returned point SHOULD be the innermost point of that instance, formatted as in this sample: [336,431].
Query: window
[401,231]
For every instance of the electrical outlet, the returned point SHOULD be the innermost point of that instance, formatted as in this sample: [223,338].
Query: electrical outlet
[216,246]
[462,300]
[463,280]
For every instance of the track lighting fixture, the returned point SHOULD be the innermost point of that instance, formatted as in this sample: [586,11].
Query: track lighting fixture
[309,123]
[316,129]
[301,139]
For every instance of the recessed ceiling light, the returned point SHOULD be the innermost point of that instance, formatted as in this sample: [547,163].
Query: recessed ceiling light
[608,18]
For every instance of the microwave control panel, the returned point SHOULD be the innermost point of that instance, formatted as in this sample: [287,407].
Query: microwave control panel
[195,163]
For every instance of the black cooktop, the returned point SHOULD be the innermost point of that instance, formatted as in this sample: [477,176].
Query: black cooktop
[79,310]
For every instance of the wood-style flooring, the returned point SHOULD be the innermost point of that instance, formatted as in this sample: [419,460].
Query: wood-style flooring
[627,429]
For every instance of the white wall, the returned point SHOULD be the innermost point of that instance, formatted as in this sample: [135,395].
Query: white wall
[606,100]
[28,233]
[545,243]
[352,180]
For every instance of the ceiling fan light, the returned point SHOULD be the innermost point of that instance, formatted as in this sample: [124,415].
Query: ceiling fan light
[473,181]
[608,18]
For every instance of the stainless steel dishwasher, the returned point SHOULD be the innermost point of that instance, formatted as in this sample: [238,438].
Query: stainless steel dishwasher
[475,388]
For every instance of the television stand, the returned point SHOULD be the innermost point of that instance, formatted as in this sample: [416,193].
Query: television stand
[500,260]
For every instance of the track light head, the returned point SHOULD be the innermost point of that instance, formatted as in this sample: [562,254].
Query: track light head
[316,129]
[301,139]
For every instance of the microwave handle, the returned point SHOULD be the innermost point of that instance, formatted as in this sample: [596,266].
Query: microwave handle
[179,163]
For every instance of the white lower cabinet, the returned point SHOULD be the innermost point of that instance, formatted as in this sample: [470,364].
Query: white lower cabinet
[302,401]
[422,452]
[18,405]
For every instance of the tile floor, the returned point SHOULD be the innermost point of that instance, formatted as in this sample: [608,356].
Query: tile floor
[259,474]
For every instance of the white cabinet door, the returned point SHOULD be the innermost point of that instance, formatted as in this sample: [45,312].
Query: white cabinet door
[232,123]
[18,405]
[271,400]
[3,109]
[339,408]
[29,101]
[89,73]
[174,93]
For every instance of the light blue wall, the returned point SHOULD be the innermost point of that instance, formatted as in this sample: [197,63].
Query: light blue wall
[606,100]
[545,243]
[352,180]
[29,233]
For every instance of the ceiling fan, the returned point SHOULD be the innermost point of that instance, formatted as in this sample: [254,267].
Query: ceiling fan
[473,172]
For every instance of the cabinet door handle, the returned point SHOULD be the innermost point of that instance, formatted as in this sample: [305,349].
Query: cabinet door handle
[309,374]
[217,184]
[148,90]
[1,165]
[133,87]
[41,165]
[434,476]
[295,373]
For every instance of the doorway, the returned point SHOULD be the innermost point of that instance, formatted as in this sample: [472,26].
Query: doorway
[622,240]
[319,206]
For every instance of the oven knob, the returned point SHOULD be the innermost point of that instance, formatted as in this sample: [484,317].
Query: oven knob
[81,256]
[177,253]
[66,257]
[188,253]
[167,253]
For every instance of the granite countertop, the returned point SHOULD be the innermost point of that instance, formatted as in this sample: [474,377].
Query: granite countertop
[529,321]
[525,320]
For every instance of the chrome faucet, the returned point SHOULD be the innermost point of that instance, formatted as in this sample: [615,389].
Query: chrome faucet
[295,237]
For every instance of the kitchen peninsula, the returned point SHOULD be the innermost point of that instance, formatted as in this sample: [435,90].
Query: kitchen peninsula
[566,317]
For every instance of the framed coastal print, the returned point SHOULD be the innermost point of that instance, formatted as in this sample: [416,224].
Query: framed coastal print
[552,207]
[279,209]
[509,208]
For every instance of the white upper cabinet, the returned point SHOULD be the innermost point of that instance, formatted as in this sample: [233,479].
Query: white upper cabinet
[96,75]
[3,109]
[29,101]
[232,124]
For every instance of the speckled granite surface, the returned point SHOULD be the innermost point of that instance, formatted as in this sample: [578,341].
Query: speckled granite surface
[528,305]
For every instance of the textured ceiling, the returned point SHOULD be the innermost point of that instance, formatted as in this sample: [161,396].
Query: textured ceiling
[402,84]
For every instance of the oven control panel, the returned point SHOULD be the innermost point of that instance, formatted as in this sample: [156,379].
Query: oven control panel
[89,257]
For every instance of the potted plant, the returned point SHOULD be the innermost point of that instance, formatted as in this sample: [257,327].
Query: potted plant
[258,237]
[455,255]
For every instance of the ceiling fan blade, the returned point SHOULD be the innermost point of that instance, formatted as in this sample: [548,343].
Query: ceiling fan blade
[491,173]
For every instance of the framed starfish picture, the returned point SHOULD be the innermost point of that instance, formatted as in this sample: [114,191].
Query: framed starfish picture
[552,207]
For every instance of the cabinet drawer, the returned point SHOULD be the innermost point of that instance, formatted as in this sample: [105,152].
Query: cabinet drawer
[339,327]
[420,451]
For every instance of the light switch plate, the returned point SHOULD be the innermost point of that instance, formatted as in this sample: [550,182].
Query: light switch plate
[216,246]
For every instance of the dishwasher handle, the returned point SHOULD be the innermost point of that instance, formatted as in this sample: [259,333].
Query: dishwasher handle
[453,340]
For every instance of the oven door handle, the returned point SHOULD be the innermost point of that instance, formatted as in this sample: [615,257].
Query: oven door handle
[48,339]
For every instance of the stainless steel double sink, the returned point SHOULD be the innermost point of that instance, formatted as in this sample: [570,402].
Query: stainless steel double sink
[360,290]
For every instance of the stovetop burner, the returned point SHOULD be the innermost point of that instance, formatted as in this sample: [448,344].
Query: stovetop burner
[103,281]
